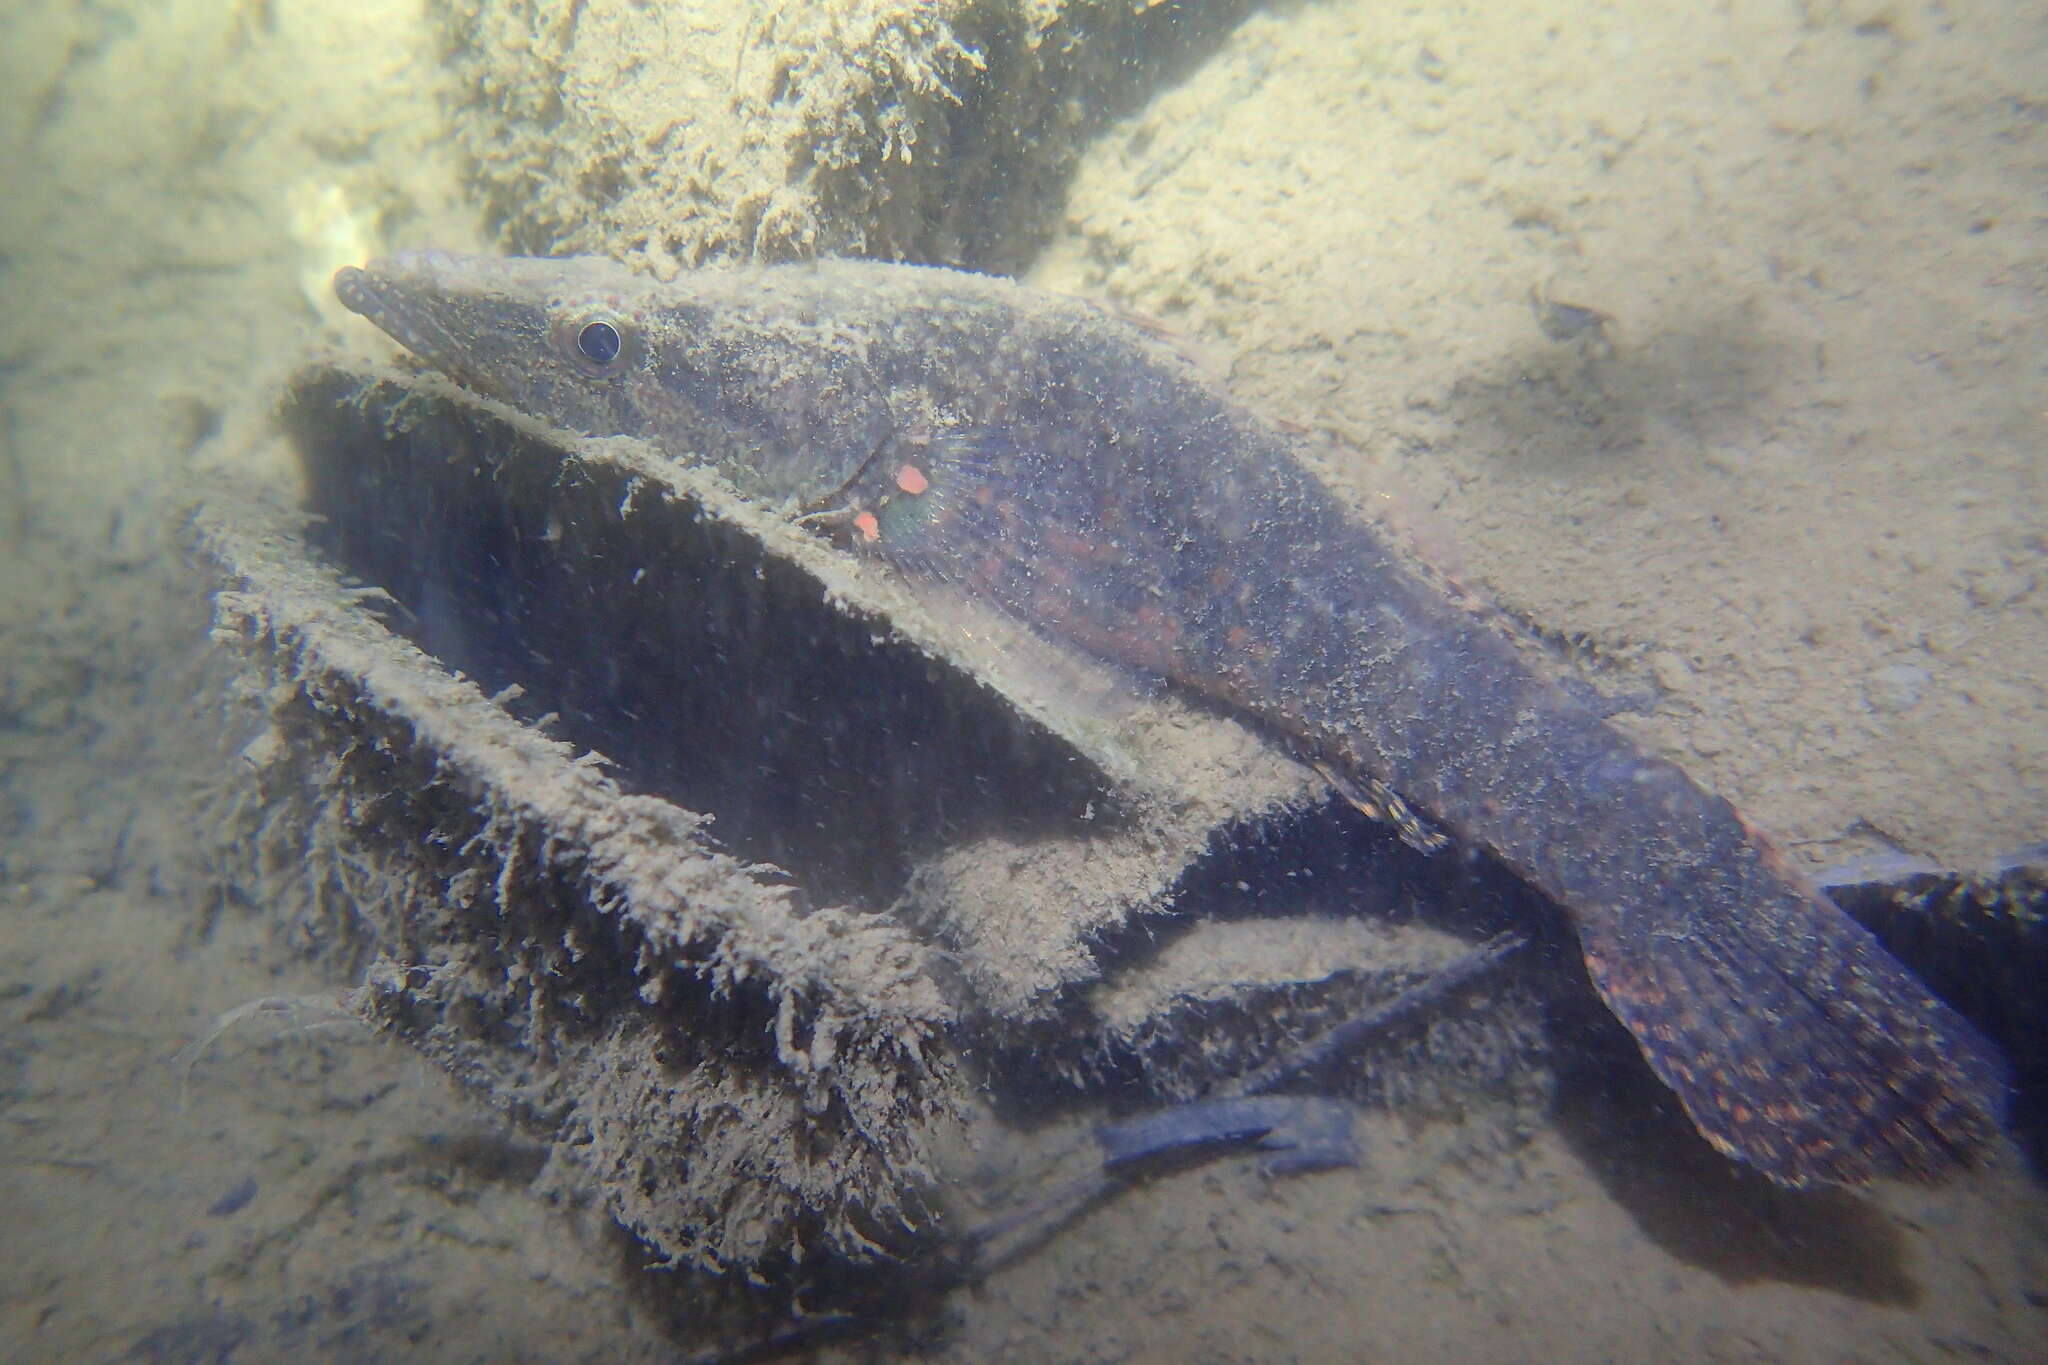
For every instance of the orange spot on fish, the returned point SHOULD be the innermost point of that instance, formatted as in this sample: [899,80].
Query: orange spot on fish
[1065,545]
[869,528]
[911,480]
[1163,623]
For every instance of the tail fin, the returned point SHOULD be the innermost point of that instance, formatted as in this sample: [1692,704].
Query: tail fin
[1794,1041]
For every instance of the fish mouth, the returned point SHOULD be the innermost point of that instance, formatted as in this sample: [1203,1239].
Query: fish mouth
[453,313]
[358,292]
[403,313]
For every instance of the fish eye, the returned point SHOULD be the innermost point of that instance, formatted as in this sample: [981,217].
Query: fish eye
[599,344]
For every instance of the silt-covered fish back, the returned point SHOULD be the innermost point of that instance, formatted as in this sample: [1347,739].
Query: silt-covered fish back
[1037,452]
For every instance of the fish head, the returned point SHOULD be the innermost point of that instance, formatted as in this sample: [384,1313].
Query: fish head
[553,338]
[745,370]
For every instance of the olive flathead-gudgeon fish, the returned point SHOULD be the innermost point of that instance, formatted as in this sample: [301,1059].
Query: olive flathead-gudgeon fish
[1045,456]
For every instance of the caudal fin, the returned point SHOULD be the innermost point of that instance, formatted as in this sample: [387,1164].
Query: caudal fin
[1795,1042]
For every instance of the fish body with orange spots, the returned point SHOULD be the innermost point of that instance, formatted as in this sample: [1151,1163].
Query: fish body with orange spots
[1043,455]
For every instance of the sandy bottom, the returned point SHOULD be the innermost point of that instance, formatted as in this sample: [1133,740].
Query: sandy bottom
[1710,342]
